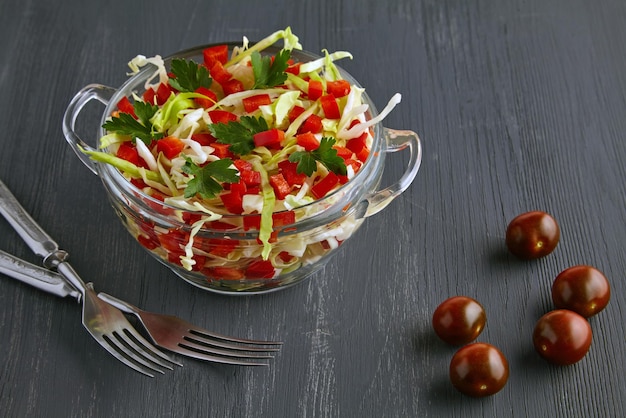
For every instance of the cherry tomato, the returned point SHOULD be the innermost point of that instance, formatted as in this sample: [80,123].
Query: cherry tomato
[582,289]
[479,369]
[459,320]
[532,235]
[562,337]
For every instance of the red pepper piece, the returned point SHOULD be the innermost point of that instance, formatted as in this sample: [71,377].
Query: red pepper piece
[322,187]
[251,222]
[233,202]
[283,218]
[338,88]
[222,150]
[164,91]
[170,146]
[330,106]
[252,103]
[210,100]
[289,171]
[219,73]
[204,138]
[270,138]
[308,141]
[343,152]
[312,124]
[129,153]
[224,273]
[295,112]
[149,95]
[293,68]
[316,89]
[280,185]
[232,86]
[222,116]
[213,54]
[260,269]
[126,106]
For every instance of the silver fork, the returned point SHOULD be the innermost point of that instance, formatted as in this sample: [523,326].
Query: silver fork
[105,323]
[166,331]
[177,335]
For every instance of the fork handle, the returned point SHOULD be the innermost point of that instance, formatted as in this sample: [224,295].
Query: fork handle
[39,277]
[32,234]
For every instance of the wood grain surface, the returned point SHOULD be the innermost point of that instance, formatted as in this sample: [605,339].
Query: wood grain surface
[521,105]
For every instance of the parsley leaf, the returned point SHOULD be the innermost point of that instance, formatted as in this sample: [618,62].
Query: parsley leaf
[239,134]
[205,181]
[268,73]
[126,124]
[325,154]
[189,76]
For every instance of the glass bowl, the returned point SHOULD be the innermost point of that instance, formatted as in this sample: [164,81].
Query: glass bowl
[227,250]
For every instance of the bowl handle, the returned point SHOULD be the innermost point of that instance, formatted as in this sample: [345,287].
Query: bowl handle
[90,92]
[397,140]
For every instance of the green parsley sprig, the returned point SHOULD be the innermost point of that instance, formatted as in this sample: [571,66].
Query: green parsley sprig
[267,72]
[325,154]
[239,134]
[126,124]
[189,76]
[206,180]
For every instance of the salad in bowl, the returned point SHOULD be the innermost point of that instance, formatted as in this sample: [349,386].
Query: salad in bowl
[242,167]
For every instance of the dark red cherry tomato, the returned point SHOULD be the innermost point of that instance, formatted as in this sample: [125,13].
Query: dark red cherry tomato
[582,289]
[562,337]
[479,369]
[532,235]
[459,320]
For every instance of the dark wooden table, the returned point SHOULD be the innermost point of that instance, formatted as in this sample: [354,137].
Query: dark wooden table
[521,105]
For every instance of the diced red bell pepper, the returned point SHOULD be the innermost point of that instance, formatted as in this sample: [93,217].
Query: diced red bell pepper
[129,153]
[213,54]
[126,106]
[283,218]
[269,138]
[285,257]
[280,185]
[219,247]
[251,178]
[174,240]
[170,146]
[338,88]
[308,141]
[357,144]
[147,242]
[322,187]
[363,154]
[190,218]
[330,106]
[295,112]
[260,269]
[222,116]
[232,86]
[312,124]
[293,68]
[289,171]
[343,152]
[242,165]
[204,138]
[219,73]
[164,91]
[251,222]
[220,225]
[232,202]
[149,95]
[316,89]
[252,103]
[239,188]
[210,100]
[224,273]
[222,150]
